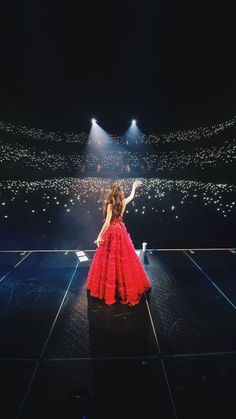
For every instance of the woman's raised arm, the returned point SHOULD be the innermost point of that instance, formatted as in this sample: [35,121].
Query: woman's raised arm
[136,184]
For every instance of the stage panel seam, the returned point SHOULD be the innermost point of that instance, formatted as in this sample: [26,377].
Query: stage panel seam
[45,344]
[14,267]
[162,362]
[211,280]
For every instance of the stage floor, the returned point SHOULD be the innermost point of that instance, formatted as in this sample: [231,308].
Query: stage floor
[65,355]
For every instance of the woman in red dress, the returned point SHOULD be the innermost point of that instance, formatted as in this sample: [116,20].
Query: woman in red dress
[116,272]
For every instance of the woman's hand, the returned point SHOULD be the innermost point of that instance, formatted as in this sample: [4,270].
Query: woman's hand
[138,183]
[98,241]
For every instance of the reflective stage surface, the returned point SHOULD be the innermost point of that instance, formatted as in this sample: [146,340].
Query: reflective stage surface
[65,355]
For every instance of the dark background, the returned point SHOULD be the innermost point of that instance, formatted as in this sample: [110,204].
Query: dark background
[169,64]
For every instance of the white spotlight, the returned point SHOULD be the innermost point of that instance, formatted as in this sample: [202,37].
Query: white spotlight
[94,121]
[133,121]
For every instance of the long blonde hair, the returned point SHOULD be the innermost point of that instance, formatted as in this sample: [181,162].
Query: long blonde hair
[115,197]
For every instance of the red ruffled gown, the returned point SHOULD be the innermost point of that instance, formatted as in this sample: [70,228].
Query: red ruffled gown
[116,272]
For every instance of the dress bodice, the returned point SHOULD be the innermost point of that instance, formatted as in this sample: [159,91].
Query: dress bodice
[119,217]
[115,218]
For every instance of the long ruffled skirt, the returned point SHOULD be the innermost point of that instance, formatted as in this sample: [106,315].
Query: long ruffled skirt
[116,272]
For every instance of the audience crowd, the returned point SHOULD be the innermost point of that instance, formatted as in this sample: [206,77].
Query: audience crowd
[189,135]
[19,156]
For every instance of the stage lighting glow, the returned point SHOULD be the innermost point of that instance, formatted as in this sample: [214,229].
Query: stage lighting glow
[133,121]
[98,137]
